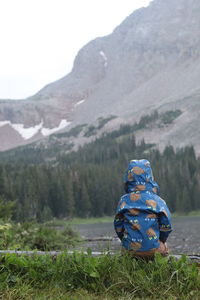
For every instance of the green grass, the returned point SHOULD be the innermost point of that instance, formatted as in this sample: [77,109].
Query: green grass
[80,276]
[106,219]
[29,293]
[190,214]
[76,221]
[194,213]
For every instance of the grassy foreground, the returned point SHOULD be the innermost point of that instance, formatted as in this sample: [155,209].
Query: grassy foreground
[80,276]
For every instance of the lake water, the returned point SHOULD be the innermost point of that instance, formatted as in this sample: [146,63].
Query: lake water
[185,237]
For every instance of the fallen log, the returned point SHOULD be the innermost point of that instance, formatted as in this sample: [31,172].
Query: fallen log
[52,253]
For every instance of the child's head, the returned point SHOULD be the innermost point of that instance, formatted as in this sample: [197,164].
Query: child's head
[139,177]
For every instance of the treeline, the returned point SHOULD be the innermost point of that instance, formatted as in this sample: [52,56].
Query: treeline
[55,145]
[89,182]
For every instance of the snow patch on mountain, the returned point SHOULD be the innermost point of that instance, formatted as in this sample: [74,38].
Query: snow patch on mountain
[26,133]
[79,102]
[29,132]
[48,131]
[3,123]
[104,57]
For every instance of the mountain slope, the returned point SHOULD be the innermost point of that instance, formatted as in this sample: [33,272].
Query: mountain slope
[151,61]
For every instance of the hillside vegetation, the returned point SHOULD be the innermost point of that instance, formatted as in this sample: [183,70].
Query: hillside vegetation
[89,182]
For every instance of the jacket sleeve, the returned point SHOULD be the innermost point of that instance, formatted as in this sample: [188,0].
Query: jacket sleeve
[119,217]
[164,225]
[119,226]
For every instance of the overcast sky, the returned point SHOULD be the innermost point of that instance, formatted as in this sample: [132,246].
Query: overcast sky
[39,39]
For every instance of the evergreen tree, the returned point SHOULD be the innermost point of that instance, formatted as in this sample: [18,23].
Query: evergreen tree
[70,205]
[2,187]
[89,182]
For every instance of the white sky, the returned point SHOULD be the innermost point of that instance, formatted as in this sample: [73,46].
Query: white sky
[39,39]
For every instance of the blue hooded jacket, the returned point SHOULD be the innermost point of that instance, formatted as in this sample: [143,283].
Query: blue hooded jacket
[142,217]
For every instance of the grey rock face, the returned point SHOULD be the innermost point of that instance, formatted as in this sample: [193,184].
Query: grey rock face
[151,61]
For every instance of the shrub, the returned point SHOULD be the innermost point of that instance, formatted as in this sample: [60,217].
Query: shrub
[32,236]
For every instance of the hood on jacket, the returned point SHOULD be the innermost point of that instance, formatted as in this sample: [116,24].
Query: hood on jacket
[139,177]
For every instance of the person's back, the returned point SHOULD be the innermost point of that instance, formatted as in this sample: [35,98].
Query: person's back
[142,220]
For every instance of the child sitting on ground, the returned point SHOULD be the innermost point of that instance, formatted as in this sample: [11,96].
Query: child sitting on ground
[142,220]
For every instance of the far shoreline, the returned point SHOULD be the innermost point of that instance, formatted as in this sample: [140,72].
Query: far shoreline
[105,219]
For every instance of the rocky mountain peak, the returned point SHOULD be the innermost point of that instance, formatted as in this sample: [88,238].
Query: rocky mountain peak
[150,61]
